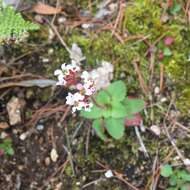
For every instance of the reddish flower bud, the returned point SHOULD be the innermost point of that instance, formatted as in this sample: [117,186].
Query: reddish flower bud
[160,56]
[168,41]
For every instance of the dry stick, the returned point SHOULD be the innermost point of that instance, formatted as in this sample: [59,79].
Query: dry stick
[168,135]
[141,141]
[173,144]
[118,175]
[143,86]
[59,37]
[119,16]
[155,176]
[93,182]
[61,168]
[87,140]
[151,67]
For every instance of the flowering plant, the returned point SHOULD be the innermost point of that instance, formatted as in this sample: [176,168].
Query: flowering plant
[98,99]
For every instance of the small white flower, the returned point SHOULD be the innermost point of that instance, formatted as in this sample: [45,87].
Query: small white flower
[85,75]
[70,99]
[79,86]
[88,107]
[73,66]
[64,67]
[78,97]
[58,72]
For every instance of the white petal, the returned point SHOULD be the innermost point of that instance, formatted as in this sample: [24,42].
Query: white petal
[58,72]
[63,67]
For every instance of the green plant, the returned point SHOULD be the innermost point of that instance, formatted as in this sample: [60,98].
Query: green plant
[111,107]
[12,25]
[6,147]
[179,179]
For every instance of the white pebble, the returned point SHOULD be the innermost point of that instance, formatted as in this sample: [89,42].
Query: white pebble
[61,20]
[155,129]
[4,135]
[53,154]
[164,99]
[186,162]
[23,136]
[39,127]
[157,90]
[108,174]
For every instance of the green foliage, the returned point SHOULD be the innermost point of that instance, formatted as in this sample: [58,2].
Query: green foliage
[178,179]
[12,25]
[175,8]
[6,146]
[166,170]
[111,108]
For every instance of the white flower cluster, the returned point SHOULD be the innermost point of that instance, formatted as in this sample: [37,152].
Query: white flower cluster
[102,75]
[70,76]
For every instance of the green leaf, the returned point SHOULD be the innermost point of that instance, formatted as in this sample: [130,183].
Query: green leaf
[185,187]
[118,110]
[98,127]
[7,147]
[167,52]
[103,97]
[12,24]
[107,112]
[172,188]
[133,105]
[115,127]
[175,8]
[184,175]
[173,180]
[95,113]
[166,170]
[10,151]
[117,90]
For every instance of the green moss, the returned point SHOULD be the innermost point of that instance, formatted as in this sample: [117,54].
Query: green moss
[184,101]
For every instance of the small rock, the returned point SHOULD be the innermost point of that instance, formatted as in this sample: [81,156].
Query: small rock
[108,174]
[155,129]
[61,20]
[87,26]
[186,162]
[78,183]
[14,108]
[3,135]
[59,186]
[47,161]
[20,167]
[4,125]
[156,90]
[45,60]
[23,136]
[40,127]
[164,99]
[53,154]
